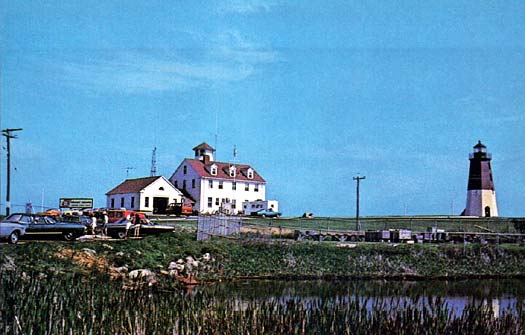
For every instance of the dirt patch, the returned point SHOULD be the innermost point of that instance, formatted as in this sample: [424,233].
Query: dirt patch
[89,260]
[86,259]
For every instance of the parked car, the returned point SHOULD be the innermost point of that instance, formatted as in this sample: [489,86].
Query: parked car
[53,212]
[11,228]
[70,212]
[266,213]
[36,225]
[116,214]
[123,227]
[82,219]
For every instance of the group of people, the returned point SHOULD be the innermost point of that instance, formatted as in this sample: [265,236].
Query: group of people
[134,221]
[102,218]
[94,222]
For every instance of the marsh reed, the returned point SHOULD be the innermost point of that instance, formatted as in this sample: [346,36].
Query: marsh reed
[77,305]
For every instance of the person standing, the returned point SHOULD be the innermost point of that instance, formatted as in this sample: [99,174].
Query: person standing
[105,224]
[137,225]
[128,225]
[93,224]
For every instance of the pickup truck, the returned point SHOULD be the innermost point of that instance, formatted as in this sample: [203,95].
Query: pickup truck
[179,209]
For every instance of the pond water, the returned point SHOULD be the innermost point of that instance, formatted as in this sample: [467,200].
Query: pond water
[74,305]
[500,295]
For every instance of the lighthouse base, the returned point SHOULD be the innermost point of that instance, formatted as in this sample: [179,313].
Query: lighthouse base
[481,203]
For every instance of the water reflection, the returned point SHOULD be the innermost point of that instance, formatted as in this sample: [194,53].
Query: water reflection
[497,295]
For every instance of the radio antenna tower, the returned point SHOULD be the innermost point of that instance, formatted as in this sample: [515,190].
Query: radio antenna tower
[154,162]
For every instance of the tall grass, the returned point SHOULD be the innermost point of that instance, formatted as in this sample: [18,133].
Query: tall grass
[74,305]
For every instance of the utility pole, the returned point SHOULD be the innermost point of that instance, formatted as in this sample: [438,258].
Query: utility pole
[357,222]
[7,133]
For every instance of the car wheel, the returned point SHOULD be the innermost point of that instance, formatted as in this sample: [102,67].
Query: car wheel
[121,235]
[68,236]
[13,237]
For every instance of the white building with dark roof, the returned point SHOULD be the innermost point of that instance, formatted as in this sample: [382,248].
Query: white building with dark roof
[150,194]
[214,184]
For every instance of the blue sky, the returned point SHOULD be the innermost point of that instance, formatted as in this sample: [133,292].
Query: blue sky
[311,93]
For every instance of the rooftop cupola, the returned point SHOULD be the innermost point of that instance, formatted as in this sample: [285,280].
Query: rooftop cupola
[204,152]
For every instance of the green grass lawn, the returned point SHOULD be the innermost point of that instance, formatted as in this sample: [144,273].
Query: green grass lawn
[416,224]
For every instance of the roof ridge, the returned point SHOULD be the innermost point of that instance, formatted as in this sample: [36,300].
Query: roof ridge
[216,162]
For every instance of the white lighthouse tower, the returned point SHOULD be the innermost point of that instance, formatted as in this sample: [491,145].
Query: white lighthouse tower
[481,197]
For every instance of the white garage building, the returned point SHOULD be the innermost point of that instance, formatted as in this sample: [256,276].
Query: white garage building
[149,194]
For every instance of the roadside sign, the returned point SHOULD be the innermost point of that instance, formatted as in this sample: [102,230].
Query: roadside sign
[80,203]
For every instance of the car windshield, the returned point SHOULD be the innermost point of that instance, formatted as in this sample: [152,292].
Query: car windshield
[18,218]
[44,220]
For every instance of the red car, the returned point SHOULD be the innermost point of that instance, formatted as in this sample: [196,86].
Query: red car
[116,214]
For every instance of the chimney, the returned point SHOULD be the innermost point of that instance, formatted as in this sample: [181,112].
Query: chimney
[205,159]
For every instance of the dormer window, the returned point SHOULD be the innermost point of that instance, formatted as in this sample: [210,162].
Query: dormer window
[233,171]
[213,170]
[250,173]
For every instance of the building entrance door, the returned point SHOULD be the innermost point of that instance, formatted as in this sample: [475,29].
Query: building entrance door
[487,211]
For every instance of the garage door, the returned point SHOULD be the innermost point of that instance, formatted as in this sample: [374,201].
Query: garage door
[159,205]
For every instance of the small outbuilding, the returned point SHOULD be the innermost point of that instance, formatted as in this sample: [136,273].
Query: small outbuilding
[149,194]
